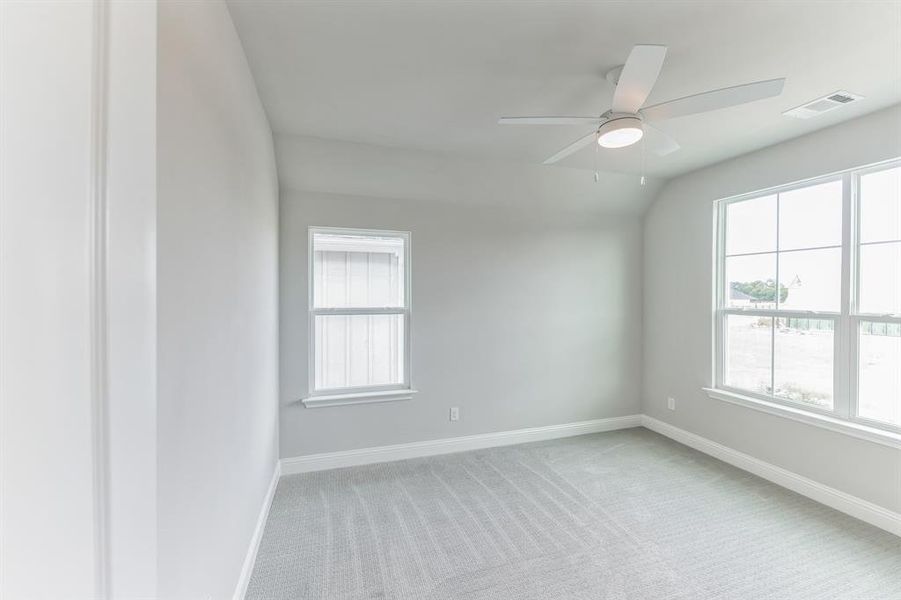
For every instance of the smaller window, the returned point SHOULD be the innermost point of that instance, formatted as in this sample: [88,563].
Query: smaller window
[359,313]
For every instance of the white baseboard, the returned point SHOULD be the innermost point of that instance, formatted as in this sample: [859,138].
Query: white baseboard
[861,509]
[365,456]
[856,507]
[251,557]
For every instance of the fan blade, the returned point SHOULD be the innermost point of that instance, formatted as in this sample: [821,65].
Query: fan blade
[723,98]
[549,121]
[637,78]
[577,145]
[659,142]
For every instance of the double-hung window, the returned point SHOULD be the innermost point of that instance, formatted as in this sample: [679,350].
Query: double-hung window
[359,311]
[808,298]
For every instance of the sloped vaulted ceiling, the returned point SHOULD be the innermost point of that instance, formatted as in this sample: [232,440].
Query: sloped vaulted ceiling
[436,75]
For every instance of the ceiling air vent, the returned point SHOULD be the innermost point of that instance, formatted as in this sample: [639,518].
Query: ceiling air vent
[822,105]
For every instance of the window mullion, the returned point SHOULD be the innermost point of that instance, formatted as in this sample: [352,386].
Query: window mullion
[719,298]
[778,298]
[361,310]
[844,395]
[794,314]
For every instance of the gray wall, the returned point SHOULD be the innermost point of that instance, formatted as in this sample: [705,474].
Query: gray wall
[522,317]
[678,283]
[217,302]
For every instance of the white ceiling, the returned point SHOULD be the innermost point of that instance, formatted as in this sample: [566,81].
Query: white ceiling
[436,75]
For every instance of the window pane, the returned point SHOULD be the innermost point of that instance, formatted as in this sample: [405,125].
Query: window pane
[880,206]
[879,374]
[803,361]
[811,279]
[352,271]
[880,278]
[748,352]
[811,217]
[751,226]
[751,281]
[358,350]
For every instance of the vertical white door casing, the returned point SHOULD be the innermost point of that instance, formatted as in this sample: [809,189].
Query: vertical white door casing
[77,278]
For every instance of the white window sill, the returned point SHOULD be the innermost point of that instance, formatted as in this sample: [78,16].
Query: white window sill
[858,430]
[357,398]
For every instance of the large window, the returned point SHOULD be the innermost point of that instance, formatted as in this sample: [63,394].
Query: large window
[809,296]
[359,316]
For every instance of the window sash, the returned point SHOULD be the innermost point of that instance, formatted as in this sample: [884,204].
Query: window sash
[855,217]
[313,312]
[854,368]
[402,385]
[846,321]
[837,408]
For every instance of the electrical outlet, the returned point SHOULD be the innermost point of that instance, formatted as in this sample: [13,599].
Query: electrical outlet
[671,403]
[455,413]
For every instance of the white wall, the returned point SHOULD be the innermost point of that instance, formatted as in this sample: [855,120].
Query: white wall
[526,291]
[678,283]
[47,510]
[332,166]
[131,302]
[77,357]
[217,302]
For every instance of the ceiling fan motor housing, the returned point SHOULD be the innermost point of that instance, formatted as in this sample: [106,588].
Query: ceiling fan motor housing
[620,131]
[613,74]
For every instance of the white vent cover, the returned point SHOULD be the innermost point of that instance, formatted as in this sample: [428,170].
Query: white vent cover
[821,105]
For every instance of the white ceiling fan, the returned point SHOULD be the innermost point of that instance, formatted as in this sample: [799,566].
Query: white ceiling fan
[627,121]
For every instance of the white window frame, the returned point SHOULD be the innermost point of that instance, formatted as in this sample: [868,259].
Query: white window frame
[843,417]
[358,394]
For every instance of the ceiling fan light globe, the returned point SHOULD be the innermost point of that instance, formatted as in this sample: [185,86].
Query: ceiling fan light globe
[621,137]
[620,133]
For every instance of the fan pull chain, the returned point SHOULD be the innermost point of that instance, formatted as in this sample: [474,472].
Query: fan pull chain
[597,147]
[643,180]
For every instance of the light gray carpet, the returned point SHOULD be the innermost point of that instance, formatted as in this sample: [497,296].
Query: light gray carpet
[626,515]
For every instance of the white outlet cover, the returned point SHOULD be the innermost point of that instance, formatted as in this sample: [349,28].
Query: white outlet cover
[671,403]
